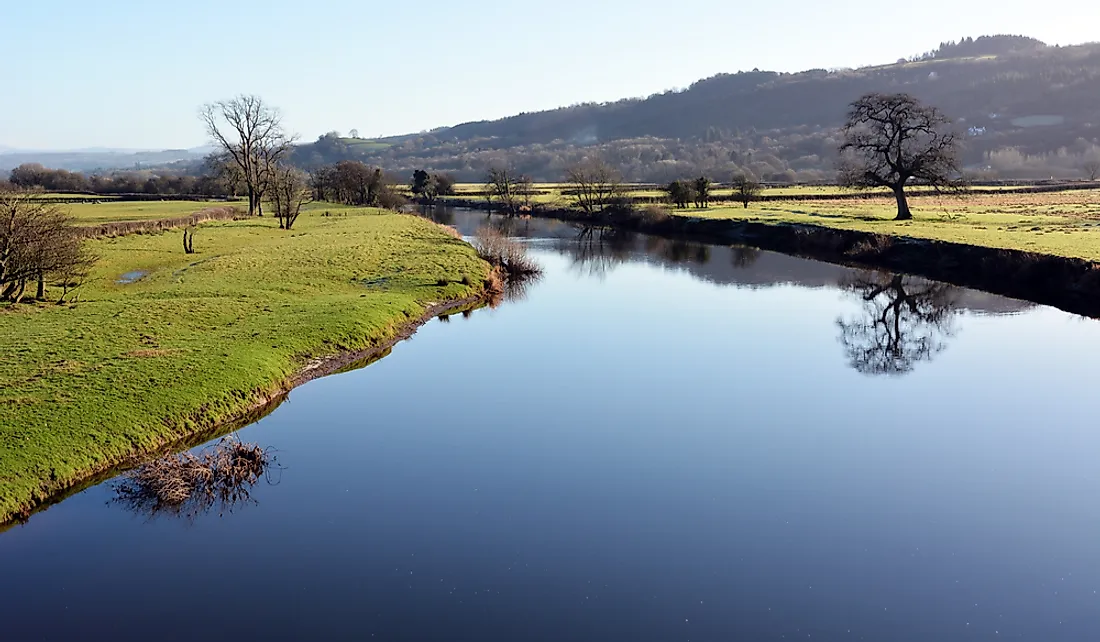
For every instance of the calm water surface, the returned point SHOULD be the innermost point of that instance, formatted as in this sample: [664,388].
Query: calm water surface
[662,441]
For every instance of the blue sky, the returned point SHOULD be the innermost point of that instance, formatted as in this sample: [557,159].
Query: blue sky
[122,73]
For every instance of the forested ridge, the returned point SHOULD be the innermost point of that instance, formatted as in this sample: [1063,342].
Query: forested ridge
[1028,110]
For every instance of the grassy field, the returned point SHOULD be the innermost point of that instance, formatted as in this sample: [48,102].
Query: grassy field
[1059,223]
[109,212]
[553,191]
[162,343]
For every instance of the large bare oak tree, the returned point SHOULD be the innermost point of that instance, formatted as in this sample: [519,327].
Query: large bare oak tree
[891,139]
[251,135]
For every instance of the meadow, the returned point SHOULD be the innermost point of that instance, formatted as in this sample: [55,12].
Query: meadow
[1065,223]
[1058,223]
[112,211]
[161,344]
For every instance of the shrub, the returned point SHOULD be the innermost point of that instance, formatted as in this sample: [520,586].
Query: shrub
[505,253]
[190,484]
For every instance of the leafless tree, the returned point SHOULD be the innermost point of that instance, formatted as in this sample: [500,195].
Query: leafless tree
[503,185]
[37,241]
[905,320]
[289,192]
[1092,169]
[251,134]
[890,139]
[745,189]
[595,185]
[221,167]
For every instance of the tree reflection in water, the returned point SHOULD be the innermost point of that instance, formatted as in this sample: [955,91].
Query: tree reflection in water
[744,257]
[905,320]
[596,251]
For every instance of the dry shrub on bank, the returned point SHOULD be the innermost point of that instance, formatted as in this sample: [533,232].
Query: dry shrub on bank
[653,215]
[189,484]
[505,253]
[501,287]
[450,231]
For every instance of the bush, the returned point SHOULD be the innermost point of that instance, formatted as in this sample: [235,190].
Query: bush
[391,200]
[504,253]
[190,484]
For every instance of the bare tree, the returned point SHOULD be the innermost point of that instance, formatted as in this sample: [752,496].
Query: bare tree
[251,134]
[745,189]
[1092,169]
[221,167]
[890,139]
[595,185]
[504,185]
[37,241]
[290,190]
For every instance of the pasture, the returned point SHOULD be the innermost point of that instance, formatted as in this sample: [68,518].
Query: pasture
[161,343]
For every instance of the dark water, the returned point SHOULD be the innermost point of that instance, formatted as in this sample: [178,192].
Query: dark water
[662,441]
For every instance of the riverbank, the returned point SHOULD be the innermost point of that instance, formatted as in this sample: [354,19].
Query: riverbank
[1043,248]
[162,345]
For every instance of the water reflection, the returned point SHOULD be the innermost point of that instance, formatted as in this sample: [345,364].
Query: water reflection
[905,320]
[596,251]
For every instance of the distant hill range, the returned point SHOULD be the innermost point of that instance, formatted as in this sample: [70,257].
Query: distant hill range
[1029,111]
[90,160]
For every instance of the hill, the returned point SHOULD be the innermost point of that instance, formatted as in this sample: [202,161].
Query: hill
[86,160]
[1029,110]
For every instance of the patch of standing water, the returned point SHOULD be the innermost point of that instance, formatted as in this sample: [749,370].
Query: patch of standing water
[132,277]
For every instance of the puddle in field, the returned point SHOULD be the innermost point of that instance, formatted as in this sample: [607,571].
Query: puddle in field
[132,277]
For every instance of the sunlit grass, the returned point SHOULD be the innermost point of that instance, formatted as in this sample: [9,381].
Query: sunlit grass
[195,337]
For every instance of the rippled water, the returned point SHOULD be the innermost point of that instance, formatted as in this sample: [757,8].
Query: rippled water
[661,441]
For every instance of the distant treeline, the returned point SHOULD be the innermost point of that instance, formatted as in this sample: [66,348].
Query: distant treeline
[137,182]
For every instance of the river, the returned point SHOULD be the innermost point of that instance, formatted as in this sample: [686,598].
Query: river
[656,441]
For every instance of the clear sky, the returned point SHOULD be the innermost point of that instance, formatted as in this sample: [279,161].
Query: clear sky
[132,74]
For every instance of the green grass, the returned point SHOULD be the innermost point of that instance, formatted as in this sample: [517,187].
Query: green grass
[115,211]
[365,144]
[131,367]
[1062,223]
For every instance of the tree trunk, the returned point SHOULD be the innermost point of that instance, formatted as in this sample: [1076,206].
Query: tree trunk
[251,202]
[903,204]
[40,295]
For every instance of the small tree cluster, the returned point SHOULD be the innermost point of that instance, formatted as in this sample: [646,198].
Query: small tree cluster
[683,192]
[509,188]
[290,190]
[38,242]
[680,193]
[745,190]
[595,186]
[427,187]
[352,183]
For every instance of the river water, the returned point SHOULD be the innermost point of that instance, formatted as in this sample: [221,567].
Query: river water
[658,441]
